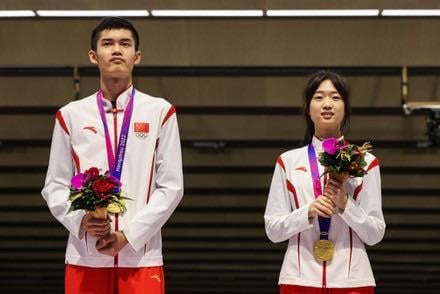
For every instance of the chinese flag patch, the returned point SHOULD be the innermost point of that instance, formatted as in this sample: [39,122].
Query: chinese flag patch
[141,127]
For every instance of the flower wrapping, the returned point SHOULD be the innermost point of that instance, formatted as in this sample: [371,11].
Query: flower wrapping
[97,193]
[342,160]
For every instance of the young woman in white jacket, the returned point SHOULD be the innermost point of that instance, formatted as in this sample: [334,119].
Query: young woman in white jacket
[352,209]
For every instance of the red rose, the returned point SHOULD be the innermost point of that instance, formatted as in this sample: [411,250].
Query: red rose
[101,186]
[91,174]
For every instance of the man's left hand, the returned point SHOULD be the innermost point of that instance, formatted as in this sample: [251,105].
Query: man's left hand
[111,244]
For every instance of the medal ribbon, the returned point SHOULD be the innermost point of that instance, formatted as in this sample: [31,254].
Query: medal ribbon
[324,222]
[115,165]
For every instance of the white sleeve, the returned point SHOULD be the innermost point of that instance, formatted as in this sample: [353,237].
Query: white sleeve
[365,216]
[281,221]
[56,188]
[168,192]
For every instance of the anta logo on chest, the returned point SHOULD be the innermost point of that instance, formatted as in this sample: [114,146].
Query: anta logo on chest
[141,129]
[91,129]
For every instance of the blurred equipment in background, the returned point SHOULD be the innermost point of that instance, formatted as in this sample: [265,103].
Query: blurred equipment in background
[430,108]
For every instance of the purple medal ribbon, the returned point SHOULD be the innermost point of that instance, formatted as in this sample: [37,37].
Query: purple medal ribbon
[324,222]
[115,165]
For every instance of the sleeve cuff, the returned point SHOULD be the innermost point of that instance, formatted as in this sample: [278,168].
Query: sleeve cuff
[81,233]
[73,223]
[128,244]
[304,223]
[350,212]
[131,240]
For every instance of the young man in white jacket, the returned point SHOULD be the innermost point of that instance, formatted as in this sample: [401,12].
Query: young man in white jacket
[122,254]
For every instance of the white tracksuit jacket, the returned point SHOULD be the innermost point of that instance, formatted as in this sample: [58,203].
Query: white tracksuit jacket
[286,218]
[151,176]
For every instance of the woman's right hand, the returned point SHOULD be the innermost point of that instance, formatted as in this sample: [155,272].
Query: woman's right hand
[322,206]
[94,226]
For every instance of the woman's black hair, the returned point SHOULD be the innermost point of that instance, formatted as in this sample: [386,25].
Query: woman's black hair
[312,85]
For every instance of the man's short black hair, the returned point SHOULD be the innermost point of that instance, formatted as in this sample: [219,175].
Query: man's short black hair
[109,23]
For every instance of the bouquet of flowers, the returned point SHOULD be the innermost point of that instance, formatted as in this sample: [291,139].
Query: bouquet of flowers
[342,160]
[97,193]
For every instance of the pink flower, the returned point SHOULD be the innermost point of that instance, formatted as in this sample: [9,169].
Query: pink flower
[331,146]
[77,181]
[112,179]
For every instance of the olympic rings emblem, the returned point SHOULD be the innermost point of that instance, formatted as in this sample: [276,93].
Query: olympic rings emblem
[141,135]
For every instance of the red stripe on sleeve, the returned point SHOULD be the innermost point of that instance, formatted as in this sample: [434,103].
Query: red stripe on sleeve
[374,163]
[153,161]
[76,160]
[357,191]
[151,178]
[351,250]
[170,112]
[291,189]
[299,252]
[281,163]
[61,121]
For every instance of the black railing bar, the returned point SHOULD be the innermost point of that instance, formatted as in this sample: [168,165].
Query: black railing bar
[201,208]
[240,191]
[237,169]
[220,144]
[37,71]
[222,110]
[90,70]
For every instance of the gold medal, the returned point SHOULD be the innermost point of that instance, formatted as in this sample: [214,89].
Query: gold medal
[323,250]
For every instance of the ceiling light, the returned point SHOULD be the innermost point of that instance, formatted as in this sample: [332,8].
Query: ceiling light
[207,13]
[91,13]
[411,12]
[323,13]
[17,13]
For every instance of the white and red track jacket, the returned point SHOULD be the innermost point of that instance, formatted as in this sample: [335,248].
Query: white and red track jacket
[151,176]
[286,218]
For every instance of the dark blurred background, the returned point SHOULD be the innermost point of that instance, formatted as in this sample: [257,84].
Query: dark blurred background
[237,85]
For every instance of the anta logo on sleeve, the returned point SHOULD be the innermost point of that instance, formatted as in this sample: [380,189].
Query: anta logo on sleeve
[141,129]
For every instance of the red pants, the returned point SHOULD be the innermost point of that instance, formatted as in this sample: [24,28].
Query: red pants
[89,280]
[292,289]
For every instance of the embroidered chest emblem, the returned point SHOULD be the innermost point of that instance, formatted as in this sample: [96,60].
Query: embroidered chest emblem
[141,129]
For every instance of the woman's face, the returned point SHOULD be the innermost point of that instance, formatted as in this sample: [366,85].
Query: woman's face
[327,109]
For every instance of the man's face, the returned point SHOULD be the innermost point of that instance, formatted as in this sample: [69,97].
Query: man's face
[115,53]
